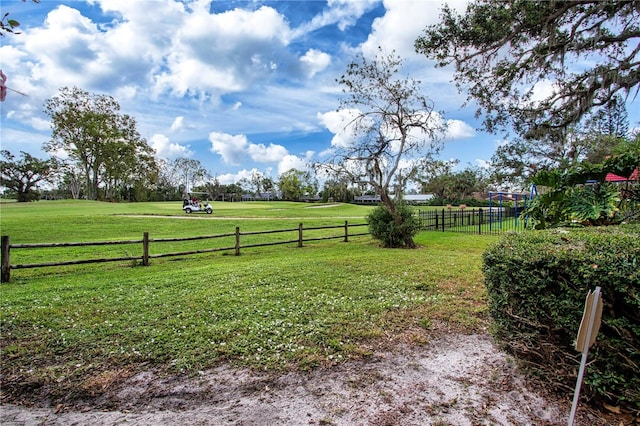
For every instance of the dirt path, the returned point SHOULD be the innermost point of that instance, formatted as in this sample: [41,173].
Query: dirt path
[454,380]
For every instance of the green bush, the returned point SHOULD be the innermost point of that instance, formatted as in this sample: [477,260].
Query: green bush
[384,227]
[537,283]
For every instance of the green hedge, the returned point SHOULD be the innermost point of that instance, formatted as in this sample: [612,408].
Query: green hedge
[383,227]
[537,283]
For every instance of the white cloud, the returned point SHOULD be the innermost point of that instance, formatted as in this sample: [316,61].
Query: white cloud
[235,148]
[339,123]
[231,148]
[267,154]
[225,52]
[40,124]
[344,13]
[20,140]
[458,129]
[289,162]
[542,90]
[177,124]
[404,21]
[161,49]
[315,61]
[62,49]
[230,178]
[483,164]
[166,149]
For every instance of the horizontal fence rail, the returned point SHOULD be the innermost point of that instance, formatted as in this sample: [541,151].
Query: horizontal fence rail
[489,220]
[145,243]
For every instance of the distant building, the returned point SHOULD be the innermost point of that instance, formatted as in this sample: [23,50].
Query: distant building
[367,199]
[310,198]
[408,198]
[417,198]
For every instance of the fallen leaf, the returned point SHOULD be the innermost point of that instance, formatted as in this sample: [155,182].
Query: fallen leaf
[611,408]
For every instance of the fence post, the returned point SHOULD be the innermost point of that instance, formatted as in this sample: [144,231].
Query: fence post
[237,241]
[300,235]
[480,221]
[145,249]
[442,220]
[346,232]
[6,261]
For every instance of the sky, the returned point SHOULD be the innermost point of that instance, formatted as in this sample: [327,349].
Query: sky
[238,85]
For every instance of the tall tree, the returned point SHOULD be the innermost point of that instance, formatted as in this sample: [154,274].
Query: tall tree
[612,120]
[433,178]
[69,179]
[500,48]
[268,186]
[605,130]
[338,190]
[188,173]
[393,127]
[449,185]
[24,175]
[91,131]
[593,140]
[293,184]
[129,167]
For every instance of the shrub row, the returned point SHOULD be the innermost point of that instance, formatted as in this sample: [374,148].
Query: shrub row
[537,284]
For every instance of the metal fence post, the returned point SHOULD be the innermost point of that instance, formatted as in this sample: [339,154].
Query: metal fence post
[479,221]
[6,261]
[346,232]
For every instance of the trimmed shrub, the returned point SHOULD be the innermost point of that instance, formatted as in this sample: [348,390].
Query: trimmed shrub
[384,228]
[537,283]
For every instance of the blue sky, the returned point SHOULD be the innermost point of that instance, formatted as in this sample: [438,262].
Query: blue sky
[238,85]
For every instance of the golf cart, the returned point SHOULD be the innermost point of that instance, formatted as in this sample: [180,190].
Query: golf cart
[191,203]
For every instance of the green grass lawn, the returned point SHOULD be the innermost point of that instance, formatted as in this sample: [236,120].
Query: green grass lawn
[272,307]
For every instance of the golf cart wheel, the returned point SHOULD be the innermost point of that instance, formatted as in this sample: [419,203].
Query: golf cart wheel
[187,210]
[209,211]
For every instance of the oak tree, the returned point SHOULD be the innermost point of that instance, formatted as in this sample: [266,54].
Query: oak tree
[506,52]
[23,175]
[104,143]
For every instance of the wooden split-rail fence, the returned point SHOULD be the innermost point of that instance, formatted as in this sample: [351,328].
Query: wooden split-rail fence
[7,246]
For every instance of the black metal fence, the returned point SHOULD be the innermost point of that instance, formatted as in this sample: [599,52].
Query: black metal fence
[487,220]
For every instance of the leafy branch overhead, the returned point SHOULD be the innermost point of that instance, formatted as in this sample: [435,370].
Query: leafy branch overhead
[516,57]
[8,25]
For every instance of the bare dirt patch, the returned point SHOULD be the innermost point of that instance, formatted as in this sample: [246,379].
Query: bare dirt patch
[457,379]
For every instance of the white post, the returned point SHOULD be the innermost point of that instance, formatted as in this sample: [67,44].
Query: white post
[587,333]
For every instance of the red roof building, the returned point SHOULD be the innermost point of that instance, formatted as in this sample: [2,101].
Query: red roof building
[615,178]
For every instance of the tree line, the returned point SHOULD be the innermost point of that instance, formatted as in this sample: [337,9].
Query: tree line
[501,53]
[106,159]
